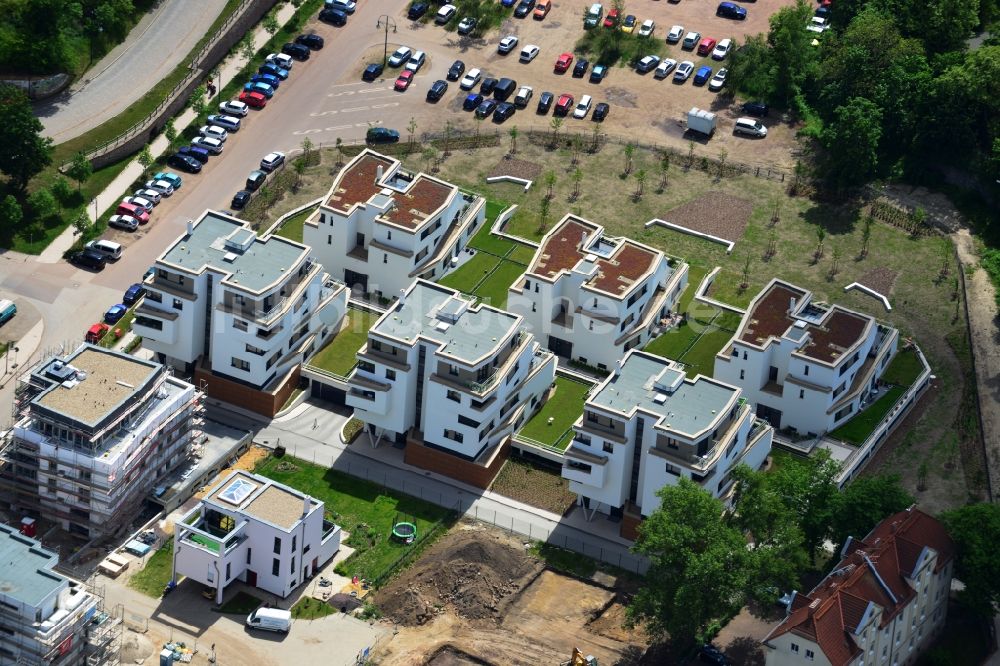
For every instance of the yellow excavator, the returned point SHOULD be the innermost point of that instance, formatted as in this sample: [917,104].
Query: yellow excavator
[579,660]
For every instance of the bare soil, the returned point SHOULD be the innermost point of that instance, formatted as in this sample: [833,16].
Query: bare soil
[880,279]
[534,485]
[715,213]
[516,168]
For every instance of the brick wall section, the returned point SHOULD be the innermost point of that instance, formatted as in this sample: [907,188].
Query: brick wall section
[480,476]
[630,526]
[267,403]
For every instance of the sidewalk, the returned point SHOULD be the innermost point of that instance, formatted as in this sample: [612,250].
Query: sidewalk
[121,186]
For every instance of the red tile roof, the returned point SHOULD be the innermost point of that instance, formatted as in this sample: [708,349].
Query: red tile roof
[563,249]
[358,182]
[874,570]
[423,197]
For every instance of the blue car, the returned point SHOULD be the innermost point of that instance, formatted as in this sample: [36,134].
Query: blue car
[114,314]
[133,294]
[271,68]
[472,101]
[171,178]
[269,79]
[702,76]
[598,73]
[507,3]
[259,87]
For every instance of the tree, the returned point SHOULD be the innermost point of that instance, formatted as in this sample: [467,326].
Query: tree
[299,165]
[513,139]
[430,157]
[852,141]
[792,56]
[749,68]
[808,487]
[198,102]
[640,183]
[700,564]
[866,235]
[745,282]
[170,131]
[835,267]
[975,528]
[865,502]
[556,123]
[576,147]
[628,151]
[43,205]
[577,179]
[543,216]
[411,129]
[10,212]
[145,159]
[449,129]
[550,182]
[246,47]
[307,151]
[80,169]
[723,154]
[24,152]
[62,191]
[820,240]
[339,145]
[595,138]
[270,23]
[664,167]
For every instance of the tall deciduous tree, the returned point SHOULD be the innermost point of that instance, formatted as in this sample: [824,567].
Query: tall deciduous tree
[10,213]
[852,141]
[80,169]
[975,529]
[23,150]
[809,489]
[864,503]
[792,56]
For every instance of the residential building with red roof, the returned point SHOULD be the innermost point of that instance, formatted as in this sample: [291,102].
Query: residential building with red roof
[805,366]
[590,297]
[380,227]
[883,604]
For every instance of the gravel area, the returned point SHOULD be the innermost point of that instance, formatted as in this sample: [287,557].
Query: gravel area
[880,279]
[715,213]
[516,168]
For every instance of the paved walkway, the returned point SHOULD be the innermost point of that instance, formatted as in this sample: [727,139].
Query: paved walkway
[154,47]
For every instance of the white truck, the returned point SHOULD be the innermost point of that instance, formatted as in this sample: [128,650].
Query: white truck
[701,121]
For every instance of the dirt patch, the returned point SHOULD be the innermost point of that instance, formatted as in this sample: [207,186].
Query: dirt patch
[516,168]
[474,574]
[537,486]
[622,97]
[880,279]
[714,213]
[611,623]
[449,655]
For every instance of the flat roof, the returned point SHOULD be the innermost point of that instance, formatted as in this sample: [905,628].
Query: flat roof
[358,181]
[112,379]
[27,569]
[263,262]
[574,241]
[644,382]
[440,314]
[261,498]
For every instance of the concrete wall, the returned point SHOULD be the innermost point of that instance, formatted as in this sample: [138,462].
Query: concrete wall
[480,476]
[247,397]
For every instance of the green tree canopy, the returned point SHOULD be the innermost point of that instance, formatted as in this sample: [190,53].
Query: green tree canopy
[80,169]
[975,528]
[808,488]
[23,150]
[865,502]
[852,141]
[793,58]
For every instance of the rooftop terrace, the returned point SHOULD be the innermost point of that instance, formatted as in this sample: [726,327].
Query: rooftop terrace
[260,498]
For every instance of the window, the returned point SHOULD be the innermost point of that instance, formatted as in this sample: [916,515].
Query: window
[385,258]
[157,297]
[673,469]
[248,555]
[229,573]
[609,447]
[807,371]
[329,239]
[292,568]
[388,234]
[527,285]
[240,324]
[744,356]
[810,655]
[240,364]
[178,304]
[453,395]
[742,374]
[454,436]
[466,421]
[802,394]
[275,566]
[795,648]
[277,546]
[390,374]
[367,366]
[453,370]
[255,350]
[294,538]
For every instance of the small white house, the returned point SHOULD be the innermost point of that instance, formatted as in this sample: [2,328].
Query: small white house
[252,529]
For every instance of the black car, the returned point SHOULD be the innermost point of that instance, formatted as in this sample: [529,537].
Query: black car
[184,163]
[755,109]
[196,152]
[255,180]
[437,90]
[524,8]
[312,41]
[240,199]
[88,259]
[503,111]
[505,88]
[486,108]
[381,135]
[600,112]
[456,70]
[713,655]
[489,85]
[417,10]
[297,51]
[333,17]
[545,102]
[580,68]
[472,101]
[372,72]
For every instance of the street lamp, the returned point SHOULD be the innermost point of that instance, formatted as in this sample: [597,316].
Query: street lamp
[385,22]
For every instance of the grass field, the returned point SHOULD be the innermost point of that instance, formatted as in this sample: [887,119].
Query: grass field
[857,430]
[242,603]
[156,574]
[364,509]
[310,609]
[563,407]
[695,343]
[485,276]
[292,228]
[904,368]
[338,356]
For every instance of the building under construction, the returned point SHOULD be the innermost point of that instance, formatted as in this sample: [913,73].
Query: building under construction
[95,433]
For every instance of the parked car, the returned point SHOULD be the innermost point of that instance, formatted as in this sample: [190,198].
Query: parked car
[240,199]
[269,79]
[683,71]
[600,112]
[542,9]
[88,259]
[416,61]
[312,41]
[755,109]
[528,53]
[598,73]
[282,60]
[563,62]
[647,28]
[675,34]
[505,88]
[582,107]
[691,40]
[272,161]
[647,64]
[503,111]
[524,8]
[611,20]
[161,186]
[485,108]
[563,105]
[228,123]
[702,76]
[722,49]
[437,90]
[404,80]
[717,81]
[256,178]
[184,163]
[148,194]
[507,44]
[445,14]
[706,46]
[133,294]
[466,25]
[372,72]
[489,85]
[109,248]
[210,144]
[750,127]
[470,79]
[818,24]
[456,70]
[664,68]
[253,99]
[142,202]
[346,6]
[381,135]
[523,96]
[272,68]
[296,51]
[115,313]
[472,101]
[171,178]
[400,56]
[333,17]
[259,87]
[417,10]
[544,103]
[126,222]
[628,25]
[197,152]
[580,68]
[234,108]
[731,10]
[138,212]
[713,655]
[214,131]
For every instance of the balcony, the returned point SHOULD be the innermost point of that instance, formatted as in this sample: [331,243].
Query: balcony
[216,539]
[329,529]
[563,319]
[359,252]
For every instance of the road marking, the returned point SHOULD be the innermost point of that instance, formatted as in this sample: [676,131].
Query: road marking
[384,106]
[371,90]
[317,114]
[337,128]
[355,109]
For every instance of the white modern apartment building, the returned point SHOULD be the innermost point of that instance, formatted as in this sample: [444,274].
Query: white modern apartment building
[647,425]
[380,227]
[442,373]
[883,604]
[95,433]
[45,617]
[230,306]
[591,298]
[255,530]
[805,366]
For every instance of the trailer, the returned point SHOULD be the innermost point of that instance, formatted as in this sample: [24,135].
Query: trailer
[701,121]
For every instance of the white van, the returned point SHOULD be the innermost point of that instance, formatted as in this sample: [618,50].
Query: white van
[750,127]
[110,249]
[270,619]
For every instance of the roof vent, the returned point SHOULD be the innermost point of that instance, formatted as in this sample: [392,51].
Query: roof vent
[660,398]
[442,326]
[229,257]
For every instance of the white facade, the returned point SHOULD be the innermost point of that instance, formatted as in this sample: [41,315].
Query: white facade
[252,308]
[805,366]
[252,529]
[464,376]
[591,298]
[380,227]
[648,414]
[97,431]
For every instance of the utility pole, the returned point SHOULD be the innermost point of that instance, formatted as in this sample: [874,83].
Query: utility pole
[385,22]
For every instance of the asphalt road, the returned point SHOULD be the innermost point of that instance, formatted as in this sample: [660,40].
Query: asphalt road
[157,44]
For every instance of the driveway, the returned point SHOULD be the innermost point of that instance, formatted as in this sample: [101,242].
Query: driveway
[154,47]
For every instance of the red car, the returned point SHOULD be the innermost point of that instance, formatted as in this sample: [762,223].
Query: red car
[611,20]
[706,46]
[138,212]
[404,80]
[254,99]
[563,62]
[563,105]
[96,332]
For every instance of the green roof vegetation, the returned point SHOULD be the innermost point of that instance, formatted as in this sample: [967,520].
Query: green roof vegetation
[338,356]
[858,429]
[563,407]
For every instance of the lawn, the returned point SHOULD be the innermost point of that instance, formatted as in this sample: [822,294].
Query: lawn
[466,277]
[700,358]
[563,407]
[486,277]
[292,227]
[338,356]
[676,341]
[309,608]
[904,368]
[493,289]
[857,430]
[156,574]
[522,254]
[243,603]
[363,508]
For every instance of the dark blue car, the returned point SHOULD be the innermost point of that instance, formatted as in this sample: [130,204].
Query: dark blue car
[472,101]
[274,70]
[507,3]
[702,76]
[114,314]
[133,294]
[269,79]
[731,10]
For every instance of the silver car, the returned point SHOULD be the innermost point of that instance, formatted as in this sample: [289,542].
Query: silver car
[161,186]
[214,131]
[126,222]
[151,195]
[209,143]
[141,202]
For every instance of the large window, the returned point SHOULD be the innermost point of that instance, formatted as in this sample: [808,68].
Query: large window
[240,364]
[454,436]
